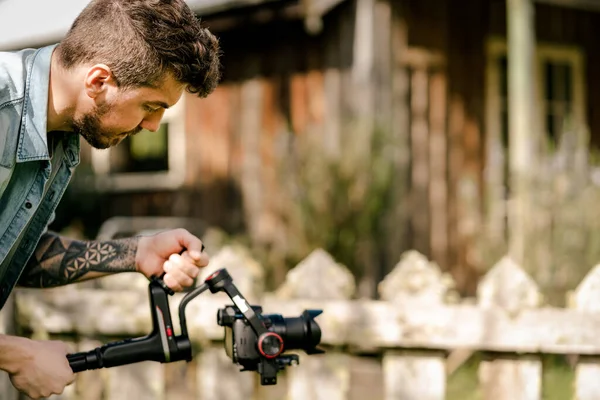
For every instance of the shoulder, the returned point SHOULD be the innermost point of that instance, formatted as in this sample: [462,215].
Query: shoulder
[13,75]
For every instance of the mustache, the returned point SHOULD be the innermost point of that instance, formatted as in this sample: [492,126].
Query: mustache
[132,132]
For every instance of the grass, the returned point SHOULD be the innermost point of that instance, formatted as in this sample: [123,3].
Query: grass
[557,380]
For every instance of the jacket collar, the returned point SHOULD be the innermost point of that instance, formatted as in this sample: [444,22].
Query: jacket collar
[33,141]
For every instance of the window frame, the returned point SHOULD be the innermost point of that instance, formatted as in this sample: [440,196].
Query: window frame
[171,179]
[496,169]
[571,54]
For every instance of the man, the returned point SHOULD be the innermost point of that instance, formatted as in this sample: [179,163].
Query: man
[122,63]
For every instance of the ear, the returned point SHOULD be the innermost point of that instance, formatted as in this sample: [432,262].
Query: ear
[97,80]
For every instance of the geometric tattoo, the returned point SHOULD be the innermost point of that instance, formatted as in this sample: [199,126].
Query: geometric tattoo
[59,261]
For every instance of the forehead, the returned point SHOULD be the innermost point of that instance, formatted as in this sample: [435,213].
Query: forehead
[168,91]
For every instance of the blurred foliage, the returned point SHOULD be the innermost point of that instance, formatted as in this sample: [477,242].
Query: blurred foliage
[335,199]
[565,243]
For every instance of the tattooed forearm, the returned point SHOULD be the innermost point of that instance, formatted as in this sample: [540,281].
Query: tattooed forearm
[59,261]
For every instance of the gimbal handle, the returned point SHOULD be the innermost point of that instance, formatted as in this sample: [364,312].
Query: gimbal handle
[160,345]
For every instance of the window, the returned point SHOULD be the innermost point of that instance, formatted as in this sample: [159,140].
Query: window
[560,90]
[146,161]
[145,152]
[560,106]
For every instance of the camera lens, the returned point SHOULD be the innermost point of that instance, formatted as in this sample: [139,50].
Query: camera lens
[299,332]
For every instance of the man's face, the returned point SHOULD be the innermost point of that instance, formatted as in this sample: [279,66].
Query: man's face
[123,113]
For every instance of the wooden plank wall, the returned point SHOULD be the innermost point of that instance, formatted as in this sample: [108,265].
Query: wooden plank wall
[439,27]
[283,87]
[466,68]
[448,188]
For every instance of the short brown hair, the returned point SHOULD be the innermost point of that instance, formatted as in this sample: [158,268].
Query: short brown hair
[142,40]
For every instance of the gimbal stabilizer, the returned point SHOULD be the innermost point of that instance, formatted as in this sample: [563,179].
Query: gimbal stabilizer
[252,340]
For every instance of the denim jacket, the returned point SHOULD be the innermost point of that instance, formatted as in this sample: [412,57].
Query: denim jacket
[30,197]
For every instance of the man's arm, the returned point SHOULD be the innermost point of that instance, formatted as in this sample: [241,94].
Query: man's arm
[59,261]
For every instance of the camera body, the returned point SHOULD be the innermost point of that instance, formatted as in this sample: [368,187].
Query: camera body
[249,350]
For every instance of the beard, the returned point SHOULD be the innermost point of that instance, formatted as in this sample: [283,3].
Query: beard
[90,128]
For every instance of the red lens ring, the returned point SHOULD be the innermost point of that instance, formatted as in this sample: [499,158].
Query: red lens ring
[262,338]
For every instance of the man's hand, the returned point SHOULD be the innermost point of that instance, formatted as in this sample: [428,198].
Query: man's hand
[41,368]
[177,252]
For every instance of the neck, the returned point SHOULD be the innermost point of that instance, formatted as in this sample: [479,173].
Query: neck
[60,107]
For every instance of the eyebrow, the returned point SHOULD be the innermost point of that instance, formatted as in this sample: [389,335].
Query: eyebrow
[158,103]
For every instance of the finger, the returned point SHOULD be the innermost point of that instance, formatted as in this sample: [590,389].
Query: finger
[183,280]
[204,260]
[176,274]
[167,266]
[194,246]
[183,264]
[172,282]
[201,262]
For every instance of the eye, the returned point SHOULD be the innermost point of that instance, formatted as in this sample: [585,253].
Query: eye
[150,108]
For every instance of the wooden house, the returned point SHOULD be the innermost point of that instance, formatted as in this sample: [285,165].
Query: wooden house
[431,74]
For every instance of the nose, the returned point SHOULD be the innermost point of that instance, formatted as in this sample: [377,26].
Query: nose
[152,122]
[150,126]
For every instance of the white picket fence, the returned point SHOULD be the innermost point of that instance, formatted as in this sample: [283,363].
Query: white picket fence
[413,329]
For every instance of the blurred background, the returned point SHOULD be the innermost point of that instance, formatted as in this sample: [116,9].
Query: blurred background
[369,128]
[462,129]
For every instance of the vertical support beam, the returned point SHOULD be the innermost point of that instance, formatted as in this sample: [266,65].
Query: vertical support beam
[397,221]
[363,61]
[521,105]
[362,68]
[364,114]
[420,176]
[438,168]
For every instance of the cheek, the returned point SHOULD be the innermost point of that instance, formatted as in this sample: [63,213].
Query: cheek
[123,120]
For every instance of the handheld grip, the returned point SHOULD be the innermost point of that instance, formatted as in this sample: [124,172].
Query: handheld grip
[84,361]
[129,351]
[160,345]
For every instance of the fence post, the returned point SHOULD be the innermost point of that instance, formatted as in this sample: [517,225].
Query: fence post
[508,287]
[217,377]
[587,299]
[327,376]
[144,380]
[415,375]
